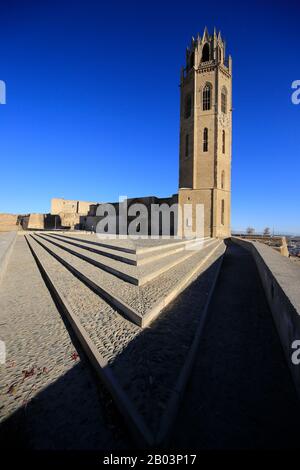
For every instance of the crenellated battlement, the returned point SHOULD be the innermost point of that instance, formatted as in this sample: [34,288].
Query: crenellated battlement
[206,51]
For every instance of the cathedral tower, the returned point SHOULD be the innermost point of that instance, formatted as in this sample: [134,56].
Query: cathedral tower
[205,132]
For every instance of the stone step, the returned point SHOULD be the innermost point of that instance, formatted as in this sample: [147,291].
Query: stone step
[150,271]
[121,270]
[127,258]
[133,274]
[192,269]
[118,244]
[97,326]
[145,250]
[149,247]
[55,407]
[76,267]
[140,304]
[131,361]
[149,255]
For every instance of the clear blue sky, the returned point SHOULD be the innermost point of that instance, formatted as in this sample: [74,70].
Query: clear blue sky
[93,102]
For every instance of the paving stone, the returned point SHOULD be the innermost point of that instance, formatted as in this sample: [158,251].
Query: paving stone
[146,362]
[40,376]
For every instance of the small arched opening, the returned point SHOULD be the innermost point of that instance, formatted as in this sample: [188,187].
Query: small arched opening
[205,53]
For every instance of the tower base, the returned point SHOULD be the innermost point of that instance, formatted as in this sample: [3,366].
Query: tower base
[215,209]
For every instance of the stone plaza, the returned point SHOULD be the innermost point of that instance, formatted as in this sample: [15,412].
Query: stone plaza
[117,343]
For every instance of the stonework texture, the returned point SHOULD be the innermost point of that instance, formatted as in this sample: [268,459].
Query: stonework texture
[205,132]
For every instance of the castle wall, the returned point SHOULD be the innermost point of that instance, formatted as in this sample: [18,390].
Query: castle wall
[59,205]
[70,211]
[8,219]
[9,222]
[36,221]
[90,222]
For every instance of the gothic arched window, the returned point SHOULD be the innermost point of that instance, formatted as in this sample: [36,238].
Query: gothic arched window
[206,97]
[187,145]
[205,53]
[224,100]
[205,140]
[223,179]
[223,141]
[187,106]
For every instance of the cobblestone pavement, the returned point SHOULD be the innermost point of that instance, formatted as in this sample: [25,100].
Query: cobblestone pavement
[240,393]
[146,362]
[48,394]
[137,272]
[142,298]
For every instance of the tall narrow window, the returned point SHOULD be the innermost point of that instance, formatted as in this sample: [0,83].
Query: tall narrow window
[187,145]
[205,140]
[224,100]
[223,179]
[187,106]
[223,141]
[205,53]
[192,59]
[206,97]
[219,54]
[222,211]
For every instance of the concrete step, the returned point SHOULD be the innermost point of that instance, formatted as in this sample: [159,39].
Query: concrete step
[133,274]
[140,304]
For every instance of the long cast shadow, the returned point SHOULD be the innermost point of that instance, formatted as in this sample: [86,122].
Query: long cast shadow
[245,396]
[147,369]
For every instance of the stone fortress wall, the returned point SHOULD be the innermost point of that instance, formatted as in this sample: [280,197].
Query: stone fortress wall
[90,221]
[69,212]
[8,222]
[74,214]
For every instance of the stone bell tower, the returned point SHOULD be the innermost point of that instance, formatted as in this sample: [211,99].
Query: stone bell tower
[205,133]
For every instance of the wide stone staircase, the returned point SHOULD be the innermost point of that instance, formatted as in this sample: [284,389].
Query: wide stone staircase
[137,308]
[140,281]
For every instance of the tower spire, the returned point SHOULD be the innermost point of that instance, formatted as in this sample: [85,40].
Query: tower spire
[205,34]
